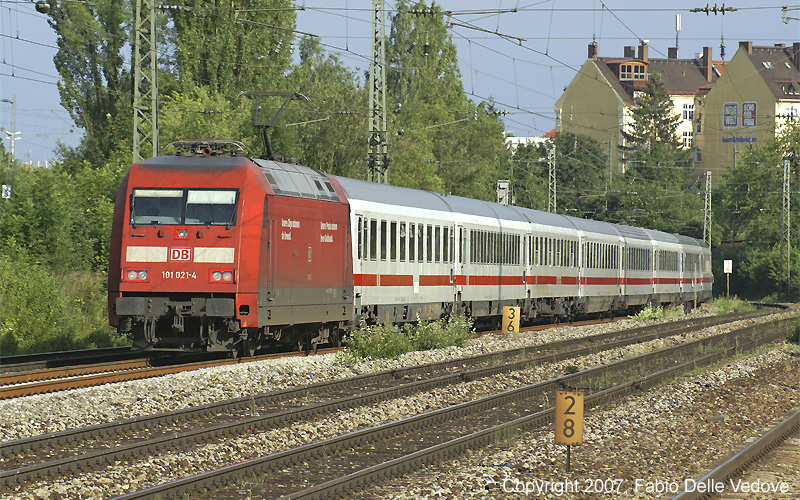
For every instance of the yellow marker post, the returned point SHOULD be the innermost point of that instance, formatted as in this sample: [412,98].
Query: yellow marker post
[569,419]
[510,319]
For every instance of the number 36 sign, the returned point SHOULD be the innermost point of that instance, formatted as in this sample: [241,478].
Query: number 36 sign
[569,417]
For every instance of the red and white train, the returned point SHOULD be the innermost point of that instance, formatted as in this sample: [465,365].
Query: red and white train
[217,251]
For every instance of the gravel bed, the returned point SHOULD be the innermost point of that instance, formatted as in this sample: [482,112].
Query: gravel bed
[45,413]
[657,439]
[118,478]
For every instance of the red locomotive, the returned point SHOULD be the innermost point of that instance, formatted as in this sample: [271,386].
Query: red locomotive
[218,252]
[211,252]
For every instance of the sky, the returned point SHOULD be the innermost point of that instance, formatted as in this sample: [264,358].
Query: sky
[517,54]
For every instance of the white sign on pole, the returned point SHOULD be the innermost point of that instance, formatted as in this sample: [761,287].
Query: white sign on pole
[728,266]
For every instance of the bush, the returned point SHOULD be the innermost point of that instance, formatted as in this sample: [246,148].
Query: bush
[392,341]
[45,312]
[730,305]
[794,334]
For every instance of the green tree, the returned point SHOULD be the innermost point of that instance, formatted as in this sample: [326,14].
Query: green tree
[529,173]
[464,151]
[233,46]
[659,189]
[652,148]
[749,203]
[95,85]
[328,131]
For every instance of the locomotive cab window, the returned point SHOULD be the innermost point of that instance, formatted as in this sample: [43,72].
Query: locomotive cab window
[203,207]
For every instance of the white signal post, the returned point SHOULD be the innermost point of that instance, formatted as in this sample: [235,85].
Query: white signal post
[569,420]
[728,268]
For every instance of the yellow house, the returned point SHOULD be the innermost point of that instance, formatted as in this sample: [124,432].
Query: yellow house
[599,100]
[757,94]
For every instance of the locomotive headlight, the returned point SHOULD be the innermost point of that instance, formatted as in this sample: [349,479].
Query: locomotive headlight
[135,275]
[220,276]
[181,233]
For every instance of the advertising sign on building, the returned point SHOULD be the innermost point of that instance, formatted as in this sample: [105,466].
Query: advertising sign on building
[748,114]
[730,114]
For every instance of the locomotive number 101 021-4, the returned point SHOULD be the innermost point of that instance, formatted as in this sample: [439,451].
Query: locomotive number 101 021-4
[181,275]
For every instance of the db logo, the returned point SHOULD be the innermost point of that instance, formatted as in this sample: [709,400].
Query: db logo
[180,254]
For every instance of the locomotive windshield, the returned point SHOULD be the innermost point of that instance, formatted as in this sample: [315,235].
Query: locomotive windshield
[200,207]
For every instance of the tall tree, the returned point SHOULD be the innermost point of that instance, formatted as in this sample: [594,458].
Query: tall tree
[750,200]
[659,189]
[327,129]
[232,46]
[463,151]
[652,147]
[95,84]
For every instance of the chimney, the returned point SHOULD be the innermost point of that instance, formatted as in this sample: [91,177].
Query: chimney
[672,53]
[643,51]
[593,50]
[796,55]
[748,46]
[630,52]
[708,66]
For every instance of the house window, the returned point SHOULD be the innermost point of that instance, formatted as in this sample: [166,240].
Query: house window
[698,155]
[631,72]
[688,111]
[687,140]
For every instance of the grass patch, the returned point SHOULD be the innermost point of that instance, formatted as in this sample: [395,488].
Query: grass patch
[724,305]
[657,312]
[392,341]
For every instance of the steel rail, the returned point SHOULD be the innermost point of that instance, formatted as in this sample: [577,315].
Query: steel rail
[732,341]
[745,457]
[42,387]
[10,448]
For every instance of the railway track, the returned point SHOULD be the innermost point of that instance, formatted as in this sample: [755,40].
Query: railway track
[136,437]
[741,477]
[335,466]
[74,377]
[46,360]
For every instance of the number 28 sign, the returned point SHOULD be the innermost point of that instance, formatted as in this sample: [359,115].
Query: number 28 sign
[569,417]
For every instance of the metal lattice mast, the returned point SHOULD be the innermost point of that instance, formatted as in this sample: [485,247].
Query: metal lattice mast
[707,212]
[787,225]
[145,86]
[378,156]
[551,185]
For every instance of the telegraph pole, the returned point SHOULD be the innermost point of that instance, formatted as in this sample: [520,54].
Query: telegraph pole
[145,84]
[377,155]
[551,185]
[707,212]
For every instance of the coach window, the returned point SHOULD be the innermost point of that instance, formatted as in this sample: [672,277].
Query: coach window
[420,242]
[437,243]
[412,247]
[360,232]
[445,244]
[393,240]
[430,243]
[402,242]
[384,234]
[373,239]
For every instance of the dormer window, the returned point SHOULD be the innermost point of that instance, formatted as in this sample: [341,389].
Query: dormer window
[631,72]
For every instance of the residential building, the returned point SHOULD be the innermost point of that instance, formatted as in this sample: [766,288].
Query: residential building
[756,96]
[600,99]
